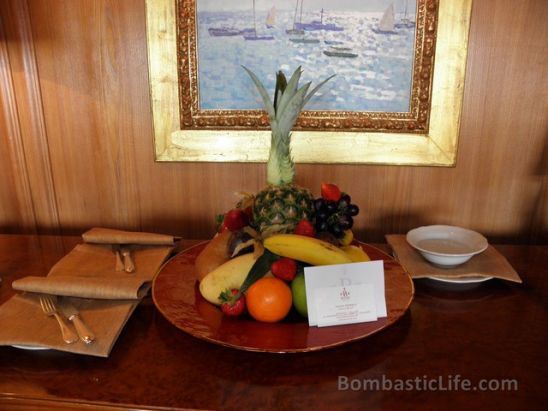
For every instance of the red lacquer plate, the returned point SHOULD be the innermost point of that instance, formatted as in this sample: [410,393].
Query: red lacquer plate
[176,295]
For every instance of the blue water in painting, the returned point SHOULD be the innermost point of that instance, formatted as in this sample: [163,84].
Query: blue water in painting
[377,80]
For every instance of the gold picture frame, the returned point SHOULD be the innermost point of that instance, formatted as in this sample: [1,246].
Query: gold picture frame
[436,147]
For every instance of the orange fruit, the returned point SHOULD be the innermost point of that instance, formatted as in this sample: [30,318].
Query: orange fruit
[269,300]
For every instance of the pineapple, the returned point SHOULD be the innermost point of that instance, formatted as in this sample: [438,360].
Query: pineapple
[282,204]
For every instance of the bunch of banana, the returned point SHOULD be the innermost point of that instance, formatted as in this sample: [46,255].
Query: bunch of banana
[312,250]
[356,253]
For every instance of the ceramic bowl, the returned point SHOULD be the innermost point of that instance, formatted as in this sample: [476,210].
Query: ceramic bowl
[446,246]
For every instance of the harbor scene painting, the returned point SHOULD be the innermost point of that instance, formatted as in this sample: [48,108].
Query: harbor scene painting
[368,44]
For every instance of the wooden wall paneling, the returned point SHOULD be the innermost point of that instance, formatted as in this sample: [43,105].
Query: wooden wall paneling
[16,214]
[96,131]
[85,58]
[31,117]
[16,206]
[505,124]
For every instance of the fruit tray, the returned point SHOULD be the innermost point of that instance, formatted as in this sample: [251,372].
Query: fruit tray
[175,292]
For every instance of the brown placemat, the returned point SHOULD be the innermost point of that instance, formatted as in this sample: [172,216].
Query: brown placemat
[25,324]
[489,263]
[87,276]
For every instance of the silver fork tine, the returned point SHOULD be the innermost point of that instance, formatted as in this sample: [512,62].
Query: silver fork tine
[49,309]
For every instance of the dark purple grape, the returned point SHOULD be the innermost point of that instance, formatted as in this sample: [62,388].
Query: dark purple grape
[319,204]
[334,217]
[331,207]
[353,210]
[346,222]
[344,201]
[322,226]
[321,215]
[337,230]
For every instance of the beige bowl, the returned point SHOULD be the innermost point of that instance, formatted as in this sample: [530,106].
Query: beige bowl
[445,245]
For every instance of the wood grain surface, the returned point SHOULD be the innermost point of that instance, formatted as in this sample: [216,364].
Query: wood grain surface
[494,330]
[77,141]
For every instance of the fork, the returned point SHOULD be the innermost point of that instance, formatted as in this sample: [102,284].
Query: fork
[48,306]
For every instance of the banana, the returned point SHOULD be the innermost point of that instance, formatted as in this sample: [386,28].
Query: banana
[307,249]
[356,253]
[228,275]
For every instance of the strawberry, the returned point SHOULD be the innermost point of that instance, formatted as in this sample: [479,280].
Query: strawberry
[236,219]
[284,268]
[331,192]
[305,227]
[230,306]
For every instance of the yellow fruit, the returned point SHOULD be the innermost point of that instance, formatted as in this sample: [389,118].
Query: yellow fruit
[347,237]
[228,275]
[356,253]
[307,249]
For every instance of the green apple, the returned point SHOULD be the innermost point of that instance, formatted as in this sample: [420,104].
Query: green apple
[299,294]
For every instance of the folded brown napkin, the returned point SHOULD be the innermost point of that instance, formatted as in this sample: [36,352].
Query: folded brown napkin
[101,235]
[89,271]
[87,275]
[489,263]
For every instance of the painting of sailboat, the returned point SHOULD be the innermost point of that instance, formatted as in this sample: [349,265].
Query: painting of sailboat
[271,18]
[304,40]
[294,29]
[359,41]
[387,23]
[340,53]
[405,22]
[223,31]
[318,25]
[252,35]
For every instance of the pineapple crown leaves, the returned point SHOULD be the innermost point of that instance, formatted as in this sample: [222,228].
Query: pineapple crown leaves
[281,84]
[289,99]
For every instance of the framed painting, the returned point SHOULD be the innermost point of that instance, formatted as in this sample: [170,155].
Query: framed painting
[396,96]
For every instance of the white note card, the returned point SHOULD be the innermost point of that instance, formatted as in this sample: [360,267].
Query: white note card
[345,305]
[344,275]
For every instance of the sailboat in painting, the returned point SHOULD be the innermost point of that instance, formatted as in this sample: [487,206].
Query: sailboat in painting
[299,33]
[387,24]
[252,35]
[223,31]
[271,18]
[405,22]
[294,29]
[318,25]
[345,52]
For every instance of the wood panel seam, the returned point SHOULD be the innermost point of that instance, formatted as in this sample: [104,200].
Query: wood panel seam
[37,114]
[14,138]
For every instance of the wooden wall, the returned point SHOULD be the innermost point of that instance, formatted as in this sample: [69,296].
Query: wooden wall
[76,134]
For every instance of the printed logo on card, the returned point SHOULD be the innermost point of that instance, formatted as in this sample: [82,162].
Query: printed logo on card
[344,294]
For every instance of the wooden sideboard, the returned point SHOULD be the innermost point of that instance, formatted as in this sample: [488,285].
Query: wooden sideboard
[495,331]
